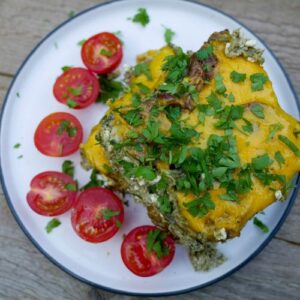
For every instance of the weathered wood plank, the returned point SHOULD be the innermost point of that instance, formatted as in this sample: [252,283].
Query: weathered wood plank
[26,274]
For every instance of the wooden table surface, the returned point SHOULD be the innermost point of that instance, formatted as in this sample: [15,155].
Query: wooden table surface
[26,274]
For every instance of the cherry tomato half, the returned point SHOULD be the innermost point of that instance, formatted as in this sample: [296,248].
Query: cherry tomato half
[51,193]
[76,87]
[58,134]
[102,53]
[97,214]
[139,259]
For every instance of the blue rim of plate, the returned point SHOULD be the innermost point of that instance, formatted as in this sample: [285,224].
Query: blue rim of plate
[122,292]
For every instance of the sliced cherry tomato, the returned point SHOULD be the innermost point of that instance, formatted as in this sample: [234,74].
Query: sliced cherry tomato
[51,193]
[102,53]
[58,134]
[76,87]
[146,250]
[97,214]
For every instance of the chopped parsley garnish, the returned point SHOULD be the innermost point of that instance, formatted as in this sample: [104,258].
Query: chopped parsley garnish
[220,87]
[133,117]
[136,100]
[231,97]
[168,35]
[80,43]
[65,68]
[248,127]
[261,162]
[258,80]
[289,144]
[71,13]
[118,224]
[274,128]
[68,168]
[94,181]
[230,196]
[65,125]
[146,172]
[155,242]
[141,17]
[108,213]
[71,103]
[20,156]
[52,224]
[200,206]
[165,206]
[71,187]
[143,88]
[204,52]
[18,145]
[279,158]
[264,228]
[143,68]
[18,94]
[105,52]
[257,110]
[75,91]
[110,89]
[237,77]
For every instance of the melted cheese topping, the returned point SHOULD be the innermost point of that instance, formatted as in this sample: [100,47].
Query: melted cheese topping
[228,215]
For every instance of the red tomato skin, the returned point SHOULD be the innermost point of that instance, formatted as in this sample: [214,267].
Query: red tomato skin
[49,143]
[77,77]
[86,217]
[90,53]
[48,184]
[134,253]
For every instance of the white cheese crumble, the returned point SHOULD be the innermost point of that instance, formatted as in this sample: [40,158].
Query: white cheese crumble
[220,234]
[278,195]
[156,180]
[250,43]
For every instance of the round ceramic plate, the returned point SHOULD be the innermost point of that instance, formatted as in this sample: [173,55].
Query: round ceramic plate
[30,98]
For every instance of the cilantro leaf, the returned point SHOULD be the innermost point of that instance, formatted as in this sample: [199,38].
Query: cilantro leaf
[18,145]
[52,224]
[257,110]
[279,158]
[65,125]
[248,127]
[274,128]
[133,117]
[165,206]
[108,213]
[75,91]
[146,172]
[264,228]
[71,187]
[105,52]
[68,168]
[230,196]
[200,206]
[155,241]
[143,68]
[65,68]
[220,87]
[141,17]
[168,35]
[80,43]
[237,77]
[258,80]
[136,100]
[204,52]
[71,103]
[231,97]
[290,144]
[110,89]
[261,162]
[94,181]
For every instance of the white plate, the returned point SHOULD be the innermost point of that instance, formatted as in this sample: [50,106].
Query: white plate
[101,264]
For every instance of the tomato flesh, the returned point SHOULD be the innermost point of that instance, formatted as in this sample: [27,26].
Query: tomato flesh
[102,53]
[97,214]
[49,194]
[136,257]
[77,88]
[58,134]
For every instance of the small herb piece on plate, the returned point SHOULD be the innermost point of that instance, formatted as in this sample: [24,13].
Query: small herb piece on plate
[94,181]
[261,162]
[200,206]
[274,128]
[71,103]
[66,68]
[65,125]
[279,158]
[204,52]
[68,168]
[18,145]
[264,228]
[105,52]
[169,35]
[141,17]
[80,43]
[71,187]
[52,224]
[220,87]
[143,68]
[110,89]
